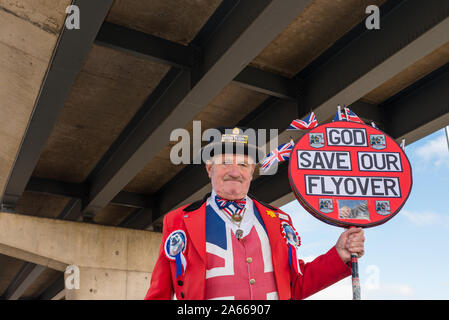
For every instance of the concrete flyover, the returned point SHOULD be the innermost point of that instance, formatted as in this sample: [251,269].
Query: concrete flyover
[86,114]
[113,263]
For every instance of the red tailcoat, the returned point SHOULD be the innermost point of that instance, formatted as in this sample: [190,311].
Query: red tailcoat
[322,272]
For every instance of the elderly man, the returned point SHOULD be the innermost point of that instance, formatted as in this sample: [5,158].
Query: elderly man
[231,246]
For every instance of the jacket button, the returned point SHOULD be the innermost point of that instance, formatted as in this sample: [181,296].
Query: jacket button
[180,283]
[182,294]
[252,281]
[249,259]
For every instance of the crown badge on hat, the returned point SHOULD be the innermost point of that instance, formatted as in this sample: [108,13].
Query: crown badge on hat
[235,137]
[237,140]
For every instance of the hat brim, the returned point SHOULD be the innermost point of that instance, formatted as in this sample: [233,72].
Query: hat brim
[212,149]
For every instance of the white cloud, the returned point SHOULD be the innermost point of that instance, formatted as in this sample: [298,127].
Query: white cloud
[371,286]
[342,290]
[308,259]
[302,220]
[426,218]
[435,150]
[401,290]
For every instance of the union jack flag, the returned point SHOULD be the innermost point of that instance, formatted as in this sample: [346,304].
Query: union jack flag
[351,116]
[308,123]
[340,116]
[279,154]
[225,205]
[227,269]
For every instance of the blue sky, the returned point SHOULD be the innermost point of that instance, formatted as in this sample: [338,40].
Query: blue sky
[408,256]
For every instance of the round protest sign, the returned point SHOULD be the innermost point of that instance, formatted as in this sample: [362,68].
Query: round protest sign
[350,174]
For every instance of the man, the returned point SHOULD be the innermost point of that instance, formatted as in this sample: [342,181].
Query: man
[234,246]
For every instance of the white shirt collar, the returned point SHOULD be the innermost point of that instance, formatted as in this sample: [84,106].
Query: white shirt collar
[248,217]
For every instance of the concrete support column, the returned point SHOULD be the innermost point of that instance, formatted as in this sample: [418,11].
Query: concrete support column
[109,284]
[110,262]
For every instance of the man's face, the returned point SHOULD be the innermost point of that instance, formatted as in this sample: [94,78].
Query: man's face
[231,175]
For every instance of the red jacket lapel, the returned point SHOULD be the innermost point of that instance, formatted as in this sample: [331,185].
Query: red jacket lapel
[195,222]
[279,252]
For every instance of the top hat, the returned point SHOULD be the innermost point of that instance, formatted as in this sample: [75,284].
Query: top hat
[233,140]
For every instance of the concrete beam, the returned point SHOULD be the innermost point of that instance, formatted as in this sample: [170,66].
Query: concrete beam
[408,33]
[404,113]
[52,242]
[67,60]
[80,191]
[54,289]
[267,83]
[109,284]
[177,55]
[60,295]
[144,45]
[244,33]
[114,263]
[25,53]
[26,276]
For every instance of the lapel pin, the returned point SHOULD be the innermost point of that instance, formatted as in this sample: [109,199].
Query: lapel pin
[271,213]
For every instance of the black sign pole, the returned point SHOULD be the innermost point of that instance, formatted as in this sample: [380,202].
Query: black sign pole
[355,276]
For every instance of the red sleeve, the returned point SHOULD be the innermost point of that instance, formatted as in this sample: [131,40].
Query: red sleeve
[317,275]
[161,282]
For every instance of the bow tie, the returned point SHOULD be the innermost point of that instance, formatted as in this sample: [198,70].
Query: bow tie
[231,207]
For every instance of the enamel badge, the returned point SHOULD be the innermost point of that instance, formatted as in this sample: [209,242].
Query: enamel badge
[316,140]
[293,242]
[175,246]
[383,208]
[271,213]
[325,205]
[290,234]
[377,141]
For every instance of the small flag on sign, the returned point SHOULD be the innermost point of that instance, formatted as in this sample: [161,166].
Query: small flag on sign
[308,123]
[340,116]
[279,154]
[351,116]
[374,125]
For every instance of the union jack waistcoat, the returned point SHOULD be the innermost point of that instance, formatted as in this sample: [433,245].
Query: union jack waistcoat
[238,269]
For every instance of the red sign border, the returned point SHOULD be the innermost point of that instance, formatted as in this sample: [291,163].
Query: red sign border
[332,221]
